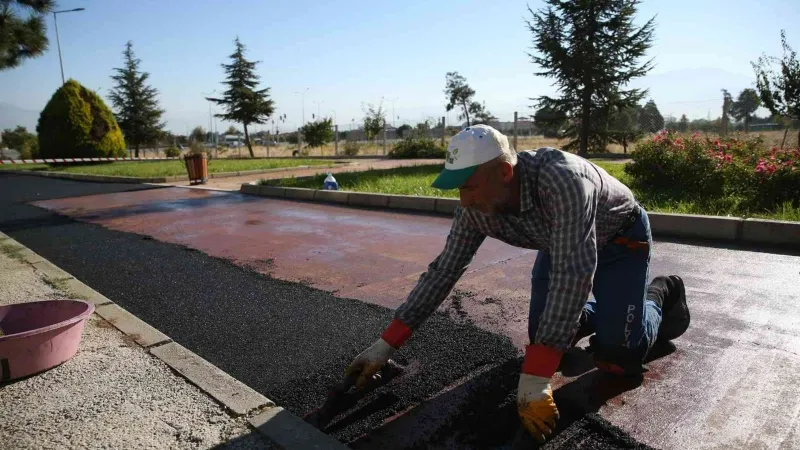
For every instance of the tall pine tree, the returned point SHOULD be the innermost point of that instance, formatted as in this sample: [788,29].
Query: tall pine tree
[243,102]
[592,49]
[22,38]
[135,104]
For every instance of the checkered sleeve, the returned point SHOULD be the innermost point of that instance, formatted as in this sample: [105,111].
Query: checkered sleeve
[573,251]
[443,273]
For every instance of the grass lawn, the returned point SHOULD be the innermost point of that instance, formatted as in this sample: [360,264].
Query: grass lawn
[417,181]
[151,169]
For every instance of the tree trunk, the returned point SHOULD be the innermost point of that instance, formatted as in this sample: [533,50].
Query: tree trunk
[798,139]
[586,115]
[784,137]
[136,149]
[247,140]
[466,111]
[746,124]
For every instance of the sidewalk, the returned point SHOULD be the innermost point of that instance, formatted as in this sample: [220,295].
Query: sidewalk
[358,165]
[112,394]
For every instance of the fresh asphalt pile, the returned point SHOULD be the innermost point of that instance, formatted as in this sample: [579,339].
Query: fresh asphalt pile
[287,340]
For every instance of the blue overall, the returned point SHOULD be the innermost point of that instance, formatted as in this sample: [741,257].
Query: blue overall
[620,313]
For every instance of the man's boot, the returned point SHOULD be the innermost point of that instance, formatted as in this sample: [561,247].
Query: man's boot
[670,294]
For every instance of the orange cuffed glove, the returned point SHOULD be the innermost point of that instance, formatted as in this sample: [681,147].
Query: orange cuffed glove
[535,405]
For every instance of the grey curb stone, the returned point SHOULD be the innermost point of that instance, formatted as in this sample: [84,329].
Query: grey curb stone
[684,225]
[774,232]
[231,392]
[249,189]
[415,203]
[290,432]
[51,271]
[362,199]
[447,205]
[135,328]
[300,193]
[332,196]
[272,191]
[30,257]
[81,291]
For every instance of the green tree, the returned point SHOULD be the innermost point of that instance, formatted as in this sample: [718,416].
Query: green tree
[460,95]
[17,138]
[727,104]
[243,102]
[623,127]
[374,121]
[683,124]
[745,105]
[22,38]
[592,49]
[318,133]
[232,130]
[402,129]
[780,92]
[198,134]
[76,123]
[549,121]
[135,103]
[650,118]
[480,114]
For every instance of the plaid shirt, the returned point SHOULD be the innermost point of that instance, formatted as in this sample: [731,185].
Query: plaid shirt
[568,207]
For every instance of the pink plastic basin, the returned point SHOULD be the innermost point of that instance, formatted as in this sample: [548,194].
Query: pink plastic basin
[40,335]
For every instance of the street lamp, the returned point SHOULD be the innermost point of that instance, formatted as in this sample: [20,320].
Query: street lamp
[303,97]
[210,124]
[394,99]
[58,41]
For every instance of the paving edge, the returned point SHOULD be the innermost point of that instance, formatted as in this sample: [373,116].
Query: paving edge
[716,228]
[273,422]
[121,179]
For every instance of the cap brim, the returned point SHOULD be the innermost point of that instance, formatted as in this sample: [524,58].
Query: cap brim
[453,179]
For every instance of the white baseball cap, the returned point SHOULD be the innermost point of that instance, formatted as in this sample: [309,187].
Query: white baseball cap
[468,149]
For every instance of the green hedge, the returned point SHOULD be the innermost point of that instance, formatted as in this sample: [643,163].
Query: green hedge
[417,147]
[77,124]
[691,167]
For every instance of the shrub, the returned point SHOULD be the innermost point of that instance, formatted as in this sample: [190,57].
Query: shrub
[702,168]
[172,152]
[30,150]
[76,123]
[417,147]
[351,148]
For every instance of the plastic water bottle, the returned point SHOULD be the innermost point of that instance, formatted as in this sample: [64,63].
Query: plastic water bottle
[330,184]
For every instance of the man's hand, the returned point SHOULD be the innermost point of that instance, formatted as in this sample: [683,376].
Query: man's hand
[369,362]
[536,407]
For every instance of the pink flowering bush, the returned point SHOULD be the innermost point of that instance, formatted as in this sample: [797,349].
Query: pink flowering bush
[701,168]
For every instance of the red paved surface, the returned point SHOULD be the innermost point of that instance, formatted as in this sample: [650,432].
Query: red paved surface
[732,382]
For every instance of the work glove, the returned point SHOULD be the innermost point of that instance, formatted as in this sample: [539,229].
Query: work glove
[371,360]
[535,405]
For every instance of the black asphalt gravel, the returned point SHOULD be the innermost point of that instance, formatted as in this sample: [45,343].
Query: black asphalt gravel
[286,340]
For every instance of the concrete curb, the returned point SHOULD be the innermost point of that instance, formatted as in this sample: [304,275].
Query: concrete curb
[228,390]
[121,179]
[714,228]
[289,431]
[273,422]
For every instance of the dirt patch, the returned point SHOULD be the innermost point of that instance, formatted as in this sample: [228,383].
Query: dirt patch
[253,222]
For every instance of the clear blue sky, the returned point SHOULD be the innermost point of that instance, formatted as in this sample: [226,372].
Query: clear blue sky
[348,53]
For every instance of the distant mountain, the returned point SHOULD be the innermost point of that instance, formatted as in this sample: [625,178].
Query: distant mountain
[11,116]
